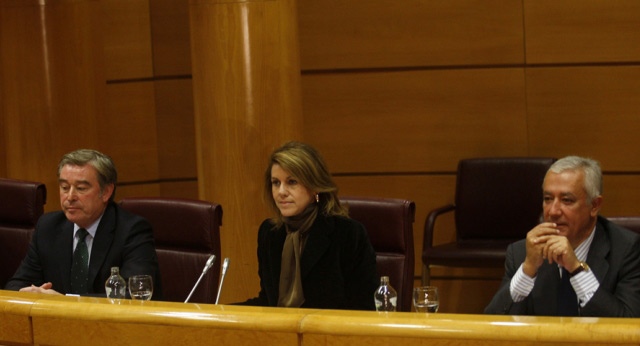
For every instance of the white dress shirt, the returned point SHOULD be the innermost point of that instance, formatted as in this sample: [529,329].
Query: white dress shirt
[89,238]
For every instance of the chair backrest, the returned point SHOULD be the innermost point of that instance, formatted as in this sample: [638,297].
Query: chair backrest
[389,223]
[21,205]
[499,198]
[186,233]
[629,222]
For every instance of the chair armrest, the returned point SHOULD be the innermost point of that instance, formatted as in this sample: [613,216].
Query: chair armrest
[430,224]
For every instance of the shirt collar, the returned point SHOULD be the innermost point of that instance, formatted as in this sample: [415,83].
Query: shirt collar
[583,249]
[91,229]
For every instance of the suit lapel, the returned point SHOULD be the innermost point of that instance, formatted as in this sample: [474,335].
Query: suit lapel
[102,243]
[316,245]
[64,242]
[600,247]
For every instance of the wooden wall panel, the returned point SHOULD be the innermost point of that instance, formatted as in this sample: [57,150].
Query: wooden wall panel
[51,72]
[137,190]
[127,39]
[3,145]
[129,131]
[181,189]
[621,194]
[560,31]
[588,111]
[176,128]
[177,189]
[387,33]
[170,37]
[414,120]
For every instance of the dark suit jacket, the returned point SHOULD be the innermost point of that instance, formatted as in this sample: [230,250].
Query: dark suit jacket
[122,240]
[338,265]
[614,257]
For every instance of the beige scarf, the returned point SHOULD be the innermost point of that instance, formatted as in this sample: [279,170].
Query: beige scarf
[290,290]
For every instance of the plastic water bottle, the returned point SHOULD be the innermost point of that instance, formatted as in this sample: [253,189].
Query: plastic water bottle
[115,286]
[385,296]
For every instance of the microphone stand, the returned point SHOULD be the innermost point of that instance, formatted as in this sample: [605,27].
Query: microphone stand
[225,266]
[209,264]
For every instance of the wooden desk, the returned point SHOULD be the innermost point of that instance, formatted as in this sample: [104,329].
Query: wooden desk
[121,322]
[15,322]
[41,319]
[348,328]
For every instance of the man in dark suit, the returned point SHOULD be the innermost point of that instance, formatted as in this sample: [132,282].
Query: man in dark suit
[575,263]
[73,250]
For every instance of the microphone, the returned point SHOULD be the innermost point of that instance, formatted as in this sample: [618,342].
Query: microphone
[225,266]
[208,265]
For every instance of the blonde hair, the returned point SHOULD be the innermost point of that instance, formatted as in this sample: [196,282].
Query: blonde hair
[305,163]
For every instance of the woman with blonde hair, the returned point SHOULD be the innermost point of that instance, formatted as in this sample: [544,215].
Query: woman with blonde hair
[310,253]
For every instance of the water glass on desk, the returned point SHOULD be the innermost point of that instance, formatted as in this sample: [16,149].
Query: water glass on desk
[141,287]
[426,299]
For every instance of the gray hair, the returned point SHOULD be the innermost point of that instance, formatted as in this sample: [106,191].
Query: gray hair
[591,169]
[103,164]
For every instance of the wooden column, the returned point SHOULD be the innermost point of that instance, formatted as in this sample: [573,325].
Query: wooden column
[246,85]
[51,85]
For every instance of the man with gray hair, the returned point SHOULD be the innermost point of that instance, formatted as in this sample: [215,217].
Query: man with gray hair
[575,263]
[73,250]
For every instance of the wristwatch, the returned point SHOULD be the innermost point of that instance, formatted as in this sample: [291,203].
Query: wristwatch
[583,267]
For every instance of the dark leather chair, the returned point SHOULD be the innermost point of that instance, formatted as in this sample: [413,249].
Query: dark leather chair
[497,201]
[186,233]
[21,205]
[628,222]
[389,223]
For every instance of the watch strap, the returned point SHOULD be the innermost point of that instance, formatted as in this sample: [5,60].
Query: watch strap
[582,267]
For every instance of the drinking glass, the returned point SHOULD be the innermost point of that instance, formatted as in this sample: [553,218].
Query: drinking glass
[426,299]
[141,287]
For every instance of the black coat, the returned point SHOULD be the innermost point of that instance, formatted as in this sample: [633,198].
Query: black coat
[122,240]
[338,265]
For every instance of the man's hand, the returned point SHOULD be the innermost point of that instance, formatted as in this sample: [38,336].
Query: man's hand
[536,244]
[558,249]
[45,288]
